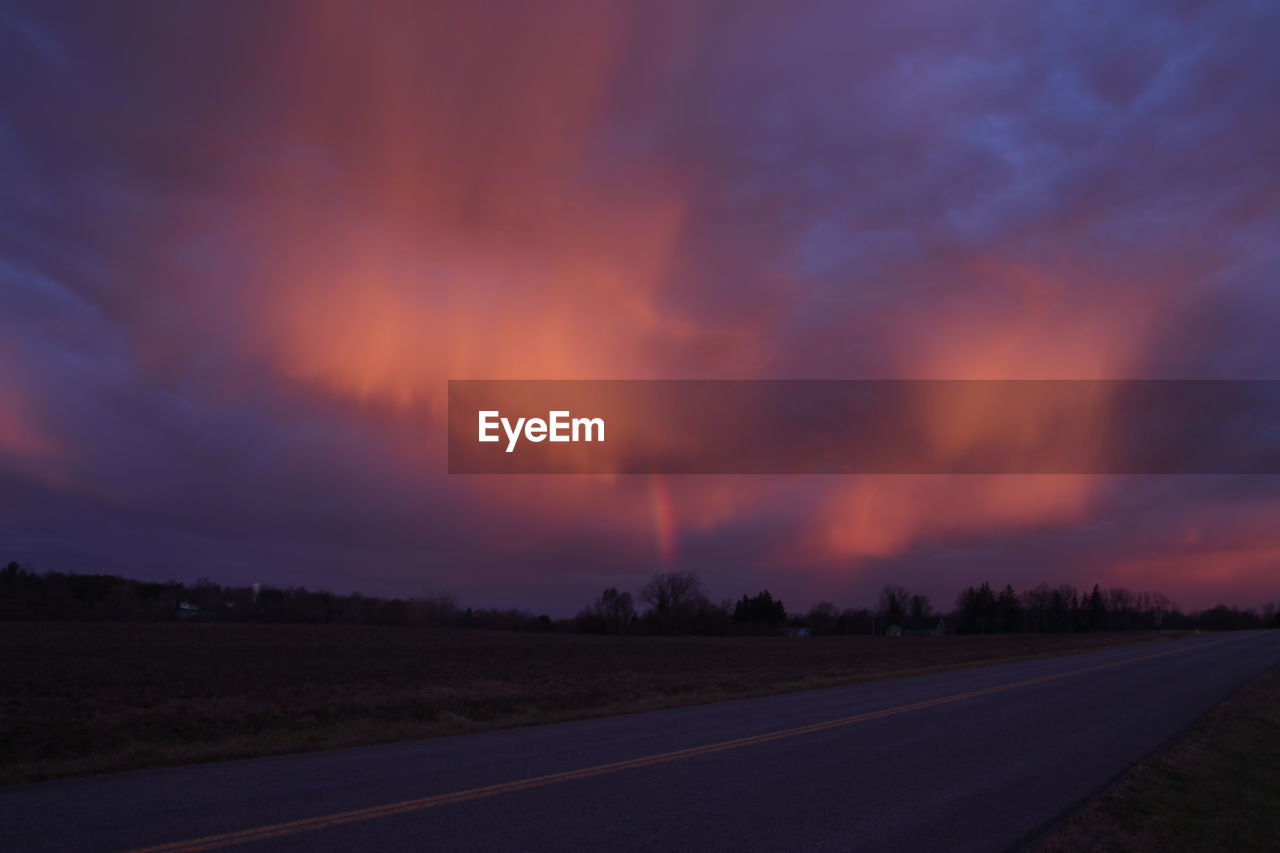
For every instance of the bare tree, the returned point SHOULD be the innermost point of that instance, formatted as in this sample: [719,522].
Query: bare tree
[611,613]
[894,600]
[674,600]
[439,608]
[920,611]
[822,617]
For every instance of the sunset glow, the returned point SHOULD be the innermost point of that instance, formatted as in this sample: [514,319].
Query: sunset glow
[242,255]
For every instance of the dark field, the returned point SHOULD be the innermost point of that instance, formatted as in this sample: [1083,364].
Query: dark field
[79,698]
[1217,788]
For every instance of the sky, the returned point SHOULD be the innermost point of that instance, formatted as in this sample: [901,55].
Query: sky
[243,248]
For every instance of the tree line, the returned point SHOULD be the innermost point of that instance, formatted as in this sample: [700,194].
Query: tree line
[668,603]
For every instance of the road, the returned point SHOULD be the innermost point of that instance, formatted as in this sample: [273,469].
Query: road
[976,759]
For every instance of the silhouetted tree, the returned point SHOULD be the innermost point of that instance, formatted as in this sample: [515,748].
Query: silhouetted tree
[823,618]
[440,609]
[976,611]
[893,605]
[1009,611]
[858,620]
[920,615]
[760,613]
[1097,610]
[674,601]
[611,613]
[1224,618]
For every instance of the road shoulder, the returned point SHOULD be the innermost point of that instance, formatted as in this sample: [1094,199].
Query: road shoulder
[1215,788]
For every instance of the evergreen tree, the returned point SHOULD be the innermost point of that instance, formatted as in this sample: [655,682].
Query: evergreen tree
[1097,610]
[761,612]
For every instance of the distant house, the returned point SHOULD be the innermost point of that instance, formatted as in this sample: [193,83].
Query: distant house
[797,632]
[187,610]
[893,631]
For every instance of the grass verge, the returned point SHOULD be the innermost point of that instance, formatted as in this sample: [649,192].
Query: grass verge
[1216,788]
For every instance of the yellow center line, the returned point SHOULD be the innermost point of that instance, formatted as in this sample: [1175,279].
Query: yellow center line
[262,833]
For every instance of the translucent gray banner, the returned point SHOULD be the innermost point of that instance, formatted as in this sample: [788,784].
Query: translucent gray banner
[864,427]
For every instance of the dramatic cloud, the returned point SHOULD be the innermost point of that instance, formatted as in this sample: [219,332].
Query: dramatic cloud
[243,249]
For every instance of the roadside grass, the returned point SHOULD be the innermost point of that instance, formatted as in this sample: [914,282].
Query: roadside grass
[82,698]
[1216,788]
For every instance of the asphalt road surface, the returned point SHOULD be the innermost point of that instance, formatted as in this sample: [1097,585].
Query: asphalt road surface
[977,759]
